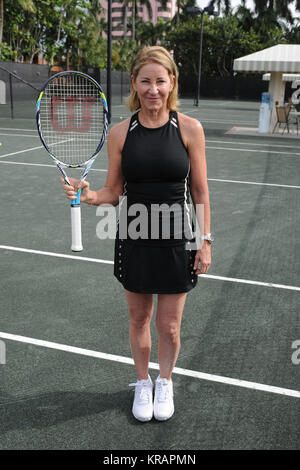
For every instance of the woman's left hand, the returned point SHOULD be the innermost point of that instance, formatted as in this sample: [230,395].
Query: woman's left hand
[203,256]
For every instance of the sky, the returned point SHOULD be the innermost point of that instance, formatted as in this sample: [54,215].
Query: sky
[236,3]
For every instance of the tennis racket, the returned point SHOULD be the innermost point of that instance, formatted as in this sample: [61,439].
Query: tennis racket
[72,121]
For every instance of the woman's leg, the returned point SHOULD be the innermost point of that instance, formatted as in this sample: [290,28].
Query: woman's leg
[168,322]
[140,308]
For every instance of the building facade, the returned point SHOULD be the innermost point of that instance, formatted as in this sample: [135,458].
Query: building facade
[122,9]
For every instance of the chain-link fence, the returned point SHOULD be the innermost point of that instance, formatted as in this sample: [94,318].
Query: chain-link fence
[238,87]
[120,82]
[19,88]
[20,85]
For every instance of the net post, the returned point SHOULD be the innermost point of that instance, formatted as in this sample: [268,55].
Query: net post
[11,98]
[121,86]
[98,74]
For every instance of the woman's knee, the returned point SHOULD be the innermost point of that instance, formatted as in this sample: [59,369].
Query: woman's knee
[139,319]
[140,313]
[170,331]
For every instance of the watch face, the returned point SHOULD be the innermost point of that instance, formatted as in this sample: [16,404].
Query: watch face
[208,238]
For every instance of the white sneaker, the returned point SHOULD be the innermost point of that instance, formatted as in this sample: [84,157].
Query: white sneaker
[163,399]
[143,399]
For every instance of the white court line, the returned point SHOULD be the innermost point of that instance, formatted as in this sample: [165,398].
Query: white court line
[251,143]
[254,150]
[212,121]
[211,112]
[207,140]
[252,182]
[206,108]
[256,283]
[21,151]
[15,129]
[22,135]
[44,164]
[34,148]
[153,365]
[56,255]
[96,260]
[207,147]
[209,179]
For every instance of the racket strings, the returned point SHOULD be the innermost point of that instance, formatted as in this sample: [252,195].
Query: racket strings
[72,118]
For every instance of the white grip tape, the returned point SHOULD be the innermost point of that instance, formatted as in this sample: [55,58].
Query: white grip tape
[76,228]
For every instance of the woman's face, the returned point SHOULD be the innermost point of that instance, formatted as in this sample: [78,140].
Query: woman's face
[153,86]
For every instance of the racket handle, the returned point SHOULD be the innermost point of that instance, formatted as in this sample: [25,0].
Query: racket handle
[76,228]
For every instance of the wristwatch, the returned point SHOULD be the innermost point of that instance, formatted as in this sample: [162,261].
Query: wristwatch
[209,237]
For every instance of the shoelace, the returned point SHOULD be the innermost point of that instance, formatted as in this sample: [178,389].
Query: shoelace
[162,391]
[142,388]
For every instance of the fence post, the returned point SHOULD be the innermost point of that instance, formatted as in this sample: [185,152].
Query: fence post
[11,98]
[2,92]
[98,75]
[2,352]
[121,86]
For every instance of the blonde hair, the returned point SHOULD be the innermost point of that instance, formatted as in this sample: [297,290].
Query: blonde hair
[161,56]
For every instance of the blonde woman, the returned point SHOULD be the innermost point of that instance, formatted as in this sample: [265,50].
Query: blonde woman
[156,158]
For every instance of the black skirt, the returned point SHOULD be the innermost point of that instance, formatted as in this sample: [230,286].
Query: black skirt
[154,269]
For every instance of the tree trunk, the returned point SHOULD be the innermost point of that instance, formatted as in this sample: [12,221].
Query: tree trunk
[133,19]
[68,59]
[125,21]
[1,19]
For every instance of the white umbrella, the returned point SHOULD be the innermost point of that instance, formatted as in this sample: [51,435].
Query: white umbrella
[283,58]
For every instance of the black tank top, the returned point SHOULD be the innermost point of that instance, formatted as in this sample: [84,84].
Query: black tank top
[156,166]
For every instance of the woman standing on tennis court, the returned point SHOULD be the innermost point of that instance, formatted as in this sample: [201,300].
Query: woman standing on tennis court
[155,158]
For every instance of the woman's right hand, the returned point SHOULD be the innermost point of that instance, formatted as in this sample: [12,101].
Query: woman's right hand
[71,191]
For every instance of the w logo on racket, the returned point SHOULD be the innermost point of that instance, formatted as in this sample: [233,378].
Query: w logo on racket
[72,121]
[71,113]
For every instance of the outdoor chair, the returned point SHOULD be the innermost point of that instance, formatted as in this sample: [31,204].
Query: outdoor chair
[283,118]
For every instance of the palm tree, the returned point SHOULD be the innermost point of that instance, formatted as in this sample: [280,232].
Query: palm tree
[267,11]
[245,16]
[181,10]
[271,10]
[226,4]
[125,8]
[134,13]
[152,34]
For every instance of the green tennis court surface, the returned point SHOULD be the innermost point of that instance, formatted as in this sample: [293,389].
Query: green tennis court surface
[64,323]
